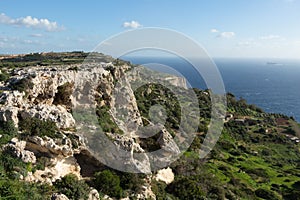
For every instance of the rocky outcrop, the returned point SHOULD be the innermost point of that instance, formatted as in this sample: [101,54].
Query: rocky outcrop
[60,167]
[9,113]
[57,114]
[17,148]
[47,93]
[49,146]
[167,143]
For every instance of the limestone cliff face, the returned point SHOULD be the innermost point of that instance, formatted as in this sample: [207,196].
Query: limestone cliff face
[51,93]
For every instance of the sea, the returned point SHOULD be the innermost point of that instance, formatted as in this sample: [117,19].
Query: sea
[271,84]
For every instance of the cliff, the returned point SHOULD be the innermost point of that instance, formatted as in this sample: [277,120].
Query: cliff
[34,96]
[75,127]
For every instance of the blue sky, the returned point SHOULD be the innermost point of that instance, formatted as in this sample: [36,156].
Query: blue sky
[225,28]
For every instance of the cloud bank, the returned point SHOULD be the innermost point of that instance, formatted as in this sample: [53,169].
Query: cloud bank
[30,22]
[132,24]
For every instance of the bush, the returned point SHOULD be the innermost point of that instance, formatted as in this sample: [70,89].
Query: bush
[158,189]
[106,122]
[8,131]
[186,188]
[19,190]
[132,181]
[22,85]
[108,183]
[72,187]
[10,165]
[4,76]
[296,186]
[36,127]
[265,194]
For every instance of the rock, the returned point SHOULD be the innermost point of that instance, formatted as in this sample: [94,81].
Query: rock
[165,175]
[62,161]
[106,197]
[57,114]
[49,146]
[58,168]
[167,143]
[13,98]
[17,148]
[126,154]
[57,196]
[94,195]
[9,113]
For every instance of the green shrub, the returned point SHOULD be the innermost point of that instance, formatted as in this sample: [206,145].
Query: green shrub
[4,76]
[22,85]
[72,187]
[265,194]
[19,190]
[108,183]
[106,122]
[186,188]
[296,185]
[12,166]
[8,131]
[132,181]
[159,189]
[35,127]
[41,163]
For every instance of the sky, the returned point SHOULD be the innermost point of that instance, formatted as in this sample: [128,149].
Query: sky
[224,28]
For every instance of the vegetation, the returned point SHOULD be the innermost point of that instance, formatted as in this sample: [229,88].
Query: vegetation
[4,76]
[256,156]
[47,59]
[105,120]
[7,132]
[22,85]
[19,190]
[107,182]
[32,126]
[72,187]
[252,159]
[42,59]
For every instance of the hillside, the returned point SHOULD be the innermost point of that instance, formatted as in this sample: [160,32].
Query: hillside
[46,152]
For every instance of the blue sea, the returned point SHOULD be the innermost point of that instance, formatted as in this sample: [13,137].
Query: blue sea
[273,85]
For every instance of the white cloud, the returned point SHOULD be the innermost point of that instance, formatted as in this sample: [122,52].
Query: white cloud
[226,35]
[36,35]
[30,22]
[132,24]
[270,37]
[214,30]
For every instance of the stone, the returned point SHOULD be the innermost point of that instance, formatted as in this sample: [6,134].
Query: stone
[94,195]
[165,175]
[57,196]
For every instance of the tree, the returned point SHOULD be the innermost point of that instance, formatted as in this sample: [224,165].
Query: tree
[72,187]
[108,183]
